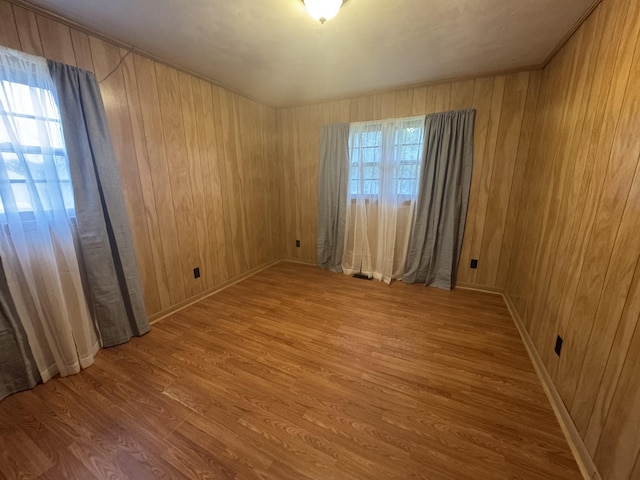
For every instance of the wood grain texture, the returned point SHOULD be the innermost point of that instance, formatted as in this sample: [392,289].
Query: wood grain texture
[501,103]
[574,260]
[27,26]
[199,164]
[9,31]
[297,373]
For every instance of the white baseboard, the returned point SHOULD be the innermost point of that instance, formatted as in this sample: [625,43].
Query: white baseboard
[577,446]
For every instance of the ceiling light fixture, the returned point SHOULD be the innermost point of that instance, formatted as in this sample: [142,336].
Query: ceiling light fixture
[323,10]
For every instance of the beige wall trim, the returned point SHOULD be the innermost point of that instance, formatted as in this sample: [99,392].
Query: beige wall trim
[580,452]
[420,84]
[297,260]
[460,285]
[575,28]
[190,301]
[480,288]
[89,31]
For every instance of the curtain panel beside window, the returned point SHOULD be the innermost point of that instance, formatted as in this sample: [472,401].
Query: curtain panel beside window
[333,186]
[106,244]
[438,229]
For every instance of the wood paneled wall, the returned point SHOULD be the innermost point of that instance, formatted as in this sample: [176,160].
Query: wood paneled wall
[575,267]
[198,162]
[505,109]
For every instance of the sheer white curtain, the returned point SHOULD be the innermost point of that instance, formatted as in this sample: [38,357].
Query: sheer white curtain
[385,158]
[36,215]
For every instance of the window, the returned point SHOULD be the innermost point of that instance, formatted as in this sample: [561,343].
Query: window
[34,170]
[388,152]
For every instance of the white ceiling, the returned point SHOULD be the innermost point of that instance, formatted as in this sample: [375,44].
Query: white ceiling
[272,51]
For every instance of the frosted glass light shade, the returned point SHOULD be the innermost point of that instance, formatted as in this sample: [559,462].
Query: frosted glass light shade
[323,10]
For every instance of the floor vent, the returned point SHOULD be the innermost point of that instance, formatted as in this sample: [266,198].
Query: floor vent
[362,276]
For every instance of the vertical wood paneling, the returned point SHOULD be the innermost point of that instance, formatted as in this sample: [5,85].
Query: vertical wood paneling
[462,94]
[107,56]
[519,178]
[430,100]
[227,201]
[482,93]
[216,225]
[56,40]
[8,29]
[618,448]
[82,49]
[199,167]
[579,219]
[571,199]
[194,169]
[419,100]
[156,254]
[178,175]
[443,97]
[485,176]
[615,189]
[505,153]
[620,200]
[230,180]
[27,30]
[403,104]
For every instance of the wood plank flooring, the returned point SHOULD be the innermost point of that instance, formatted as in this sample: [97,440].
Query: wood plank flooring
[297,373]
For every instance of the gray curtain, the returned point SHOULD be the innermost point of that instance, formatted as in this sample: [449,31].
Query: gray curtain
[19,370]
[333,185]
[105,237]
[441,210]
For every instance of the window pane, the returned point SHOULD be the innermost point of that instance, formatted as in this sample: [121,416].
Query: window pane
[17,98]
[412,135]
[406,187]
[371,173]
[67,195]
[398,170]
[4,134]
[22,197]
[62,167]
[372,139]
[371,187]
[13,166]
[35,164]
[27,132]
[408,171]
[32,150]
[369,155]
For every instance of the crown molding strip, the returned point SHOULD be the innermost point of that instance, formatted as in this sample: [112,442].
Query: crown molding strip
[572,32]
[118,43]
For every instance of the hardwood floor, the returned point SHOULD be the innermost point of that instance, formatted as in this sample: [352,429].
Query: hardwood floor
[298,373]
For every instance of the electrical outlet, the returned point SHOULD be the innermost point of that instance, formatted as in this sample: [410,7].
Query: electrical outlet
[558,347]
[196,272]
[297,243]
[474,263]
